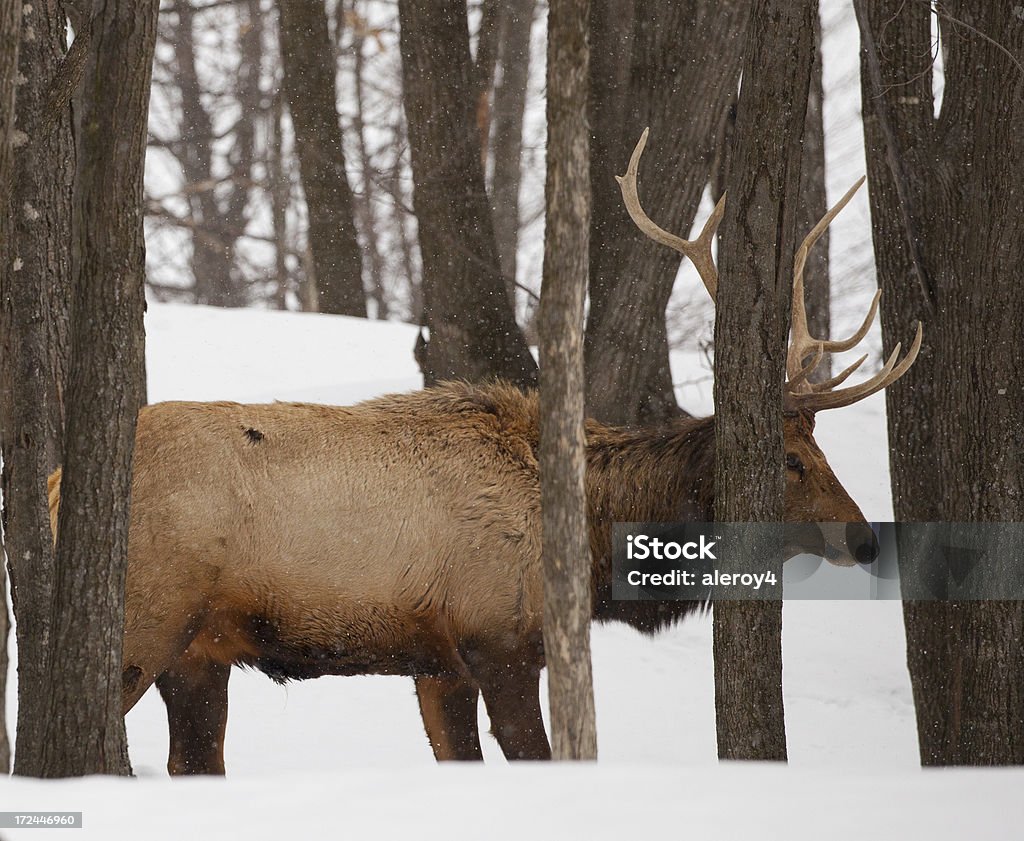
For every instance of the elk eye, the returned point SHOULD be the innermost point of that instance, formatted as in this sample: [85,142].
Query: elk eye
[793,463]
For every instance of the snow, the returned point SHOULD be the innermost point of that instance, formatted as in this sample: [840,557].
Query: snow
[348,755]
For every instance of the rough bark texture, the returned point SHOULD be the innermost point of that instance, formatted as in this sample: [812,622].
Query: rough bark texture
[309,81]
[83,726]
[507,145]
[10,32]
[473,333]
[35,328]
[567,596]
[813,205]
[44,181]
[751,326]
[683,70]
[945,197]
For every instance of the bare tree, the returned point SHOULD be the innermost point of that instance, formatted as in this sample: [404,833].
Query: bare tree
[813,205]
[507,130]
[567,608]
[473,333]
[751,331]
[683,71]
[308,59]
[80,716]
[35,322]
[10,34]
[949,247]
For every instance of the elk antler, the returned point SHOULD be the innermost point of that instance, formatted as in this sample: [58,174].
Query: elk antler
[698,250]
[812,397]
[800,393]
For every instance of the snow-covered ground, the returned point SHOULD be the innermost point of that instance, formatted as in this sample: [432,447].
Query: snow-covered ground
[347,756]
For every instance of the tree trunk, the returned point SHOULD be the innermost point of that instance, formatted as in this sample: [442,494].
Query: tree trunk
[567,608]
[473,333]
[949,247]
[507,146]
[309,81]
[365,201]
[814,205]
[684,69]
[36,321]
[10,34]
[485,62]
[82,721]
[751,331]
[211,254]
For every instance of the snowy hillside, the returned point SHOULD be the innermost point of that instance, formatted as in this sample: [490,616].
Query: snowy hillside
[347,756]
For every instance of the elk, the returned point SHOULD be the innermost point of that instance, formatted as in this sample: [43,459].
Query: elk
[402,535]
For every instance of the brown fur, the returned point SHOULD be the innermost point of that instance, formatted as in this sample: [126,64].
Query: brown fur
[398,536]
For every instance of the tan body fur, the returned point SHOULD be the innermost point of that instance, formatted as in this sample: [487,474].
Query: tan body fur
[399,536]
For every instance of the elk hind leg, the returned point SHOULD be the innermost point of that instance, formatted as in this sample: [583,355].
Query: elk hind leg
[195,691]
[448,708]
[512,697]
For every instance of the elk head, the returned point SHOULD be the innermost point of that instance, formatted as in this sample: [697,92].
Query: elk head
[813,493]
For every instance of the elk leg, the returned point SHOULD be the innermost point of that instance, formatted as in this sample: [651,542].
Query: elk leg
[513,704]
[448,708]
[195,691]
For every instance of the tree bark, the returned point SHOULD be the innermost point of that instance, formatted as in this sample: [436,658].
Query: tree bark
[473,333]
[949,248]
[309,82]
[751,331]
[35,322]
[567,608]
[10,34]
[507,145]
[82,721]
[684,68]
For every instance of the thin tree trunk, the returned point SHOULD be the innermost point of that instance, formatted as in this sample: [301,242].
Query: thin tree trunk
[242,158]
[949,247]
[814,205]
[567,608]
[473,333]
[684,70]
[751,331]
[279,197]
[10,34]
[309,81]
[507,146]
[364,202]
[211,257]
[492,21]
[82,720]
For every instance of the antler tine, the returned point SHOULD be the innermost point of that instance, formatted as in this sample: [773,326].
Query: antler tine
[890,372]
[839,378]
[698,250]
[802,342]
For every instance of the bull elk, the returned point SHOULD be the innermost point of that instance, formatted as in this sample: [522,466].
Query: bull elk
[402,535]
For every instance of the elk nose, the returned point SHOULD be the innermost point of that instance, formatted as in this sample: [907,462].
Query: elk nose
[862,543]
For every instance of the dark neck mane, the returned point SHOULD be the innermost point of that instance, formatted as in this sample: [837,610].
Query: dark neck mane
[662,474]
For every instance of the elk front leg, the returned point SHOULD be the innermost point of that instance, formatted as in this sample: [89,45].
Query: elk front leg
[448,708]
[195,691]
